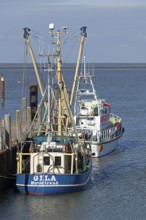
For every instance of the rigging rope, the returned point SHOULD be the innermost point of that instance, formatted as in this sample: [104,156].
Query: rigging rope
[71,49]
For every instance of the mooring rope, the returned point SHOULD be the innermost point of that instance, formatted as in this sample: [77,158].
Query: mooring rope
[7,177]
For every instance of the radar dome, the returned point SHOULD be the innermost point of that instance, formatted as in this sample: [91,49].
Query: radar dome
[51,26]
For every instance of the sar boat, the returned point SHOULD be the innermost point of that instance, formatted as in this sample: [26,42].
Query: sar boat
[93,115]
[55,162]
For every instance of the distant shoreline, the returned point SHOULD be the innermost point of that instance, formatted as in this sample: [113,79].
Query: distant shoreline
[72,65]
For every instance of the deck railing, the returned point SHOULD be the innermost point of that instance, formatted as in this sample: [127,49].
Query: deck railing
[108,134]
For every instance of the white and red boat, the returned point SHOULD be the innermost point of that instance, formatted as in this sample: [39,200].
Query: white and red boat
[93,115]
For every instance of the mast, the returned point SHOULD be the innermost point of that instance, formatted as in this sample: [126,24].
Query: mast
[59,76]
[62,95]
[49,103]
[84,35]
[84,66]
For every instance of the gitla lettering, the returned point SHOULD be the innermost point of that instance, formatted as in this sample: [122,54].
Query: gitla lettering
[40,180]
[45,178]
[35,178]
[53,178]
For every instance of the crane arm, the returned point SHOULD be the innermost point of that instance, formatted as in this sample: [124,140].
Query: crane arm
[84,35]
[27,40]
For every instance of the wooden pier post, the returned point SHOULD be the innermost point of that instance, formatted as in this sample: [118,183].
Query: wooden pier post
[2,90]
[29,120]
[24,109]
[3,134]
[8,140]
[1,142]
[7,119]
[39,115]
[18,126]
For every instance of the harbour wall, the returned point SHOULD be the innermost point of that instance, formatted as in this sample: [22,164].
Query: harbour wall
[7,167]
[12,134]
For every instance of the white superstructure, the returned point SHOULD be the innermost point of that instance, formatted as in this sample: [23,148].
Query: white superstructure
[93,115]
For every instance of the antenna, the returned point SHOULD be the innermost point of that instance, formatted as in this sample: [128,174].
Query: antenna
[65,29]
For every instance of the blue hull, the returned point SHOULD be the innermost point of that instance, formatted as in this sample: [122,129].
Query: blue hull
[46,184]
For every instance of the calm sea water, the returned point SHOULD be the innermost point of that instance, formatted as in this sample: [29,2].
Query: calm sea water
[118,186]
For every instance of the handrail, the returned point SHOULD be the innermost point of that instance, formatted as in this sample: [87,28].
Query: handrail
[109,134]
[103,135]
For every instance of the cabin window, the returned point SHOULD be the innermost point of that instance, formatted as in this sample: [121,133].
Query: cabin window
[46,160]
[102,111]
[96,111]
[90,119]
[57,161]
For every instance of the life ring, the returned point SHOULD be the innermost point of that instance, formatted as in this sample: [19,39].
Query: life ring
[100,147]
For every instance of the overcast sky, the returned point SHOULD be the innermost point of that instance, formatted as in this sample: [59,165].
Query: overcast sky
[116,28]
